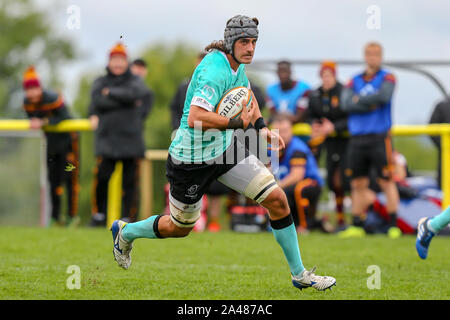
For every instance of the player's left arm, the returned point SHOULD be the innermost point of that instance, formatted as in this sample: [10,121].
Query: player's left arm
[272,137]
[257,113]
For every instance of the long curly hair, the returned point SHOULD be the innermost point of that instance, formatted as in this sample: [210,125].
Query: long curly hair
[219,45]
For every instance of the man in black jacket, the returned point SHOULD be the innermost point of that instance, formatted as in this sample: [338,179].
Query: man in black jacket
[329,126]
[140,69]
[47,107]
[441,114]
[117,99]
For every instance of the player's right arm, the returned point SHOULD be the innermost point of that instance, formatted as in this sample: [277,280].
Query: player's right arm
[212,120]
[209,88]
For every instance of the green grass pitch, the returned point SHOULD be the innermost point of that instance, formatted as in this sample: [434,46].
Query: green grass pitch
[225,265]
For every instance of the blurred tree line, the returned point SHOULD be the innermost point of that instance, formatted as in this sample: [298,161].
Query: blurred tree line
[27,37]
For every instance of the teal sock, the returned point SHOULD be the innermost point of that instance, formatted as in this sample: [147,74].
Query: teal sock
[440,221]
[147,228]
[286,236]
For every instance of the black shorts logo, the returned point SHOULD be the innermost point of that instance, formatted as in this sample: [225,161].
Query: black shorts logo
[192,191]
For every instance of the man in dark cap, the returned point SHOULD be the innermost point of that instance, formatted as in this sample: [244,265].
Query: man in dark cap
[43,107]
[118,99]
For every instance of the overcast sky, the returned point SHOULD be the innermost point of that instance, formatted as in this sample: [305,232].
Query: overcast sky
[326,29]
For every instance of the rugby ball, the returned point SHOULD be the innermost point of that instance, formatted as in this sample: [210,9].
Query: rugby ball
[232,102]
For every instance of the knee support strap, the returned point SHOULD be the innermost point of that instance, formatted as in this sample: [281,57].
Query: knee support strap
[261,185]
[184,215]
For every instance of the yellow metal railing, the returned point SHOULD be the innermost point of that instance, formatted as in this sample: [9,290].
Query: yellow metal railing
[442,130]
[115,183]
[63,126]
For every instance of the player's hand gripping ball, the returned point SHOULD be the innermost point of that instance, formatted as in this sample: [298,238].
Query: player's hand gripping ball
[233,101]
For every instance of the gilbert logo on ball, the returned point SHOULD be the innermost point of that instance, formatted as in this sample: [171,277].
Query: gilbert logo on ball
[232,102]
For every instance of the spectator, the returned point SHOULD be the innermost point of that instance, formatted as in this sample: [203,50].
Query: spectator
[288,96]
[118,100]
[44,107]
[259,94]
[441,114]
[298,175]
[139,68]
[367,99]
[177,104]
[329,126]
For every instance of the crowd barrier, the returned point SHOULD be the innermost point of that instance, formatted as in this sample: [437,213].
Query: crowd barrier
[146,171]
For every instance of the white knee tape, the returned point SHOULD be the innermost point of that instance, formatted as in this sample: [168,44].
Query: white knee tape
[184,215]
[261,186]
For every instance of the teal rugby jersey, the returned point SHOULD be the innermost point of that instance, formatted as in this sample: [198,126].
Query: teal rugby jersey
[211,79]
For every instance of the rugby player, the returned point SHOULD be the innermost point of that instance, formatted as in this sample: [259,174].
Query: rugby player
[195,159]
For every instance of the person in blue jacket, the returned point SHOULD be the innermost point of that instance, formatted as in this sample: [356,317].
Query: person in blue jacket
[298,175]
[288,95]
[368,100]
